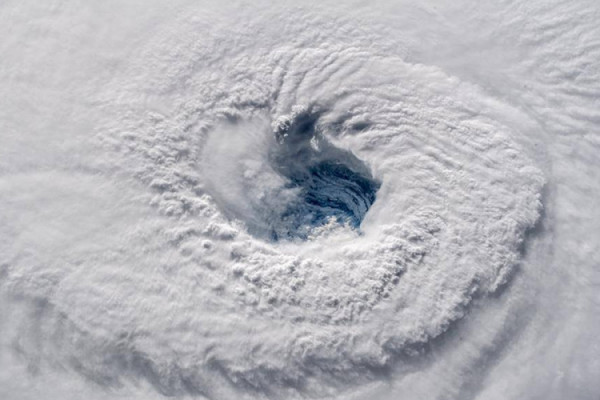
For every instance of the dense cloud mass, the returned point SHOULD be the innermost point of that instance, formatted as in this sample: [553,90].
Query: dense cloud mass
[316,200]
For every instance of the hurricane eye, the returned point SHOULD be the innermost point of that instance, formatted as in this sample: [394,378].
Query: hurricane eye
[333,184]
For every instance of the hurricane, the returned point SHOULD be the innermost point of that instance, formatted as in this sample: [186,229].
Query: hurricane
[299,200]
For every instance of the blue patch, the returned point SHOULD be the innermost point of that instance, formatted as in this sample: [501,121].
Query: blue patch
[333,183]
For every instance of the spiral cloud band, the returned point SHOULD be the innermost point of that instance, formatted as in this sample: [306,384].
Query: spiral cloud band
[298,200]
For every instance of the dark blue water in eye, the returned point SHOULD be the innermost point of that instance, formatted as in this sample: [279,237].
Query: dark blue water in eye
[328,189]
[332,183]
[331,189]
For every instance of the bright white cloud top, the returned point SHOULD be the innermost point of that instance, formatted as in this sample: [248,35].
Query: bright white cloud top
[383,201]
